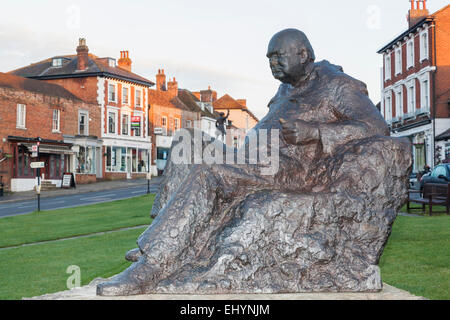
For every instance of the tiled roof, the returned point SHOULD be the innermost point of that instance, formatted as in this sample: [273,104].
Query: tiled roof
[190,100]
[227,102]
[12,81]
[160,98]
[96,67]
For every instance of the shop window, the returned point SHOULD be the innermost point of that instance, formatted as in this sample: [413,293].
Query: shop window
[116,159]
[142,160]
[86,160]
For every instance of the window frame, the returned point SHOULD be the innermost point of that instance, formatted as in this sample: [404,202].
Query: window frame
[123,115]
[58,121]
[21,116]
[398,61]
[110,84]
[387,67]
[85,113]
[127,103]
[136,99]
[115,121]
[399,102]
[424,45]
[411,97]
[410,54]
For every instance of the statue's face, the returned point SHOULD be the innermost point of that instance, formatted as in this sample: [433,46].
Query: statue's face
[287,59]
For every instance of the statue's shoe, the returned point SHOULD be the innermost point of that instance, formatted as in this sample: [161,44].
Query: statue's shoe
[133,255]
[139,278]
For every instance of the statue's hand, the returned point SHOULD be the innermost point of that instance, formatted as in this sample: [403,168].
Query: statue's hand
[299,132]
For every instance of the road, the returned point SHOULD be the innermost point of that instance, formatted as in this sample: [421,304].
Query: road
[76,200]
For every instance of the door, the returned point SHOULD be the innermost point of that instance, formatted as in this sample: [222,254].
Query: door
[128,166]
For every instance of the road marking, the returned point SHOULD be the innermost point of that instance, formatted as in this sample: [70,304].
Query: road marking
[140,191]
[23,207]
[93,198]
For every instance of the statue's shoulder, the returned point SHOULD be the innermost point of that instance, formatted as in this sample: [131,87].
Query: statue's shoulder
[282,91]
[335,77]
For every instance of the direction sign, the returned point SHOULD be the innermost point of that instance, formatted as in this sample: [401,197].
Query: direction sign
[36,165]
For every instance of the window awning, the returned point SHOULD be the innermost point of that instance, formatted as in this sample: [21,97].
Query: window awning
[47,148]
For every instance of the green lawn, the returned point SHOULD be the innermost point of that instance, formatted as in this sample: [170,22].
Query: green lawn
[39,269]
[417,256]
[57,224]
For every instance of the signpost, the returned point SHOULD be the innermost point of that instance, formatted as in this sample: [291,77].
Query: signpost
[38,166]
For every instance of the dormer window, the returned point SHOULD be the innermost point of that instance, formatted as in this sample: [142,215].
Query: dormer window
[112,62]
[57,62]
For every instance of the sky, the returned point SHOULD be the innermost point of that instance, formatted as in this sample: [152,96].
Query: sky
[202,43]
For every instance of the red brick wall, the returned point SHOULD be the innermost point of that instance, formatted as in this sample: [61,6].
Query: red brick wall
[443,63]
[85,178]
[84,88]
[39,115]
[115,175]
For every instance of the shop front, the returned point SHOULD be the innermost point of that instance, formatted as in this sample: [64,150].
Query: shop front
[56,156]
[86,163]
[126,161]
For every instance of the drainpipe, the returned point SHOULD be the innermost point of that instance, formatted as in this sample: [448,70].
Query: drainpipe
[434,92]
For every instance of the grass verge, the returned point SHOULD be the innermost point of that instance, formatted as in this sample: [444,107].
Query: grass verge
[41,269]
[417,256]
[64,223]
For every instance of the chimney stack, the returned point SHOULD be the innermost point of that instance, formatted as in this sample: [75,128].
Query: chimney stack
[160,80]
[124,61]
[172,87]
[82,55]
[417,12]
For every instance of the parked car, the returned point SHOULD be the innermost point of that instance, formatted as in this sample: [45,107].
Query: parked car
[440,174]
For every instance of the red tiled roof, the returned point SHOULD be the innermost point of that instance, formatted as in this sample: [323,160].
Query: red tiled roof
[15,82]
[96,67]
[227,102]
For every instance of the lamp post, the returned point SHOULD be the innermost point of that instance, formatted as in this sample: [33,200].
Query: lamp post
[148,171]
[38,189]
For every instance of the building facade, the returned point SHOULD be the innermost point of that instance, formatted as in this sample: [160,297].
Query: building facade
[416,83]
[123,150]
[241,119]
[167,114]
[33,111]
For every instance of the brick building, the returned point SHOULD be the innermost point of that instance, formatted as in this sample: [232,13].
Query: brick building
[122,96]
[416,83]
[32,109]
[168,113]
[241,118]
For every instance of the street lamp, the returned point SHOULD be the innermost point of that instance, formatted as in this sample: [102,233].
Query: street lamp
[38,189]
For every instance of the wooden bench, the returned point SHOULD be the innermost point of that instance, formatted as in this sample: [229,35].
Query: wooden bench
[434,194]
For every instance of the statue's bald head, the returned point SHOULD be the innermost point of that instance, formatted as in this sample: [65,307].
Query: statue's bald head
[289,53]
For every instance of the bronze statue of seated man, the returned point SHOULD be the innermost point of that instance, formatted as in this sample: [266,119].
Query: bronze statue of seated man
[319,223]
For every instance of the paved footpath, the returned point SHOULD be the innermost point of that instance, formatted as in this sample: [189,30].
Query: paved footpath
[89,293]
